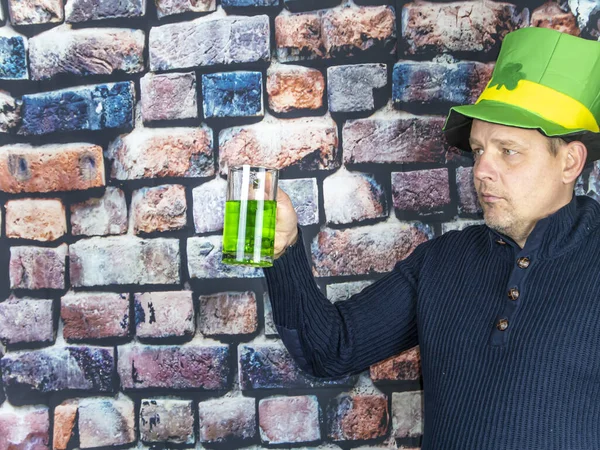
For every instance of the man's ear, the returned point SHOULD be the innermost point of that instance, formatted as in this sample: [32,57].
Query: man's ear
[574,161]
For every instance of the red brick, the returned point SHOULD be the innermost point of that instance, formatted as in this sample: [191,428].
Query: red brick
[307,143]
[285,420]
[358,416]
[158,208]
[26,320]
[353,196]
[169,96]
[94,315]
[64,424]
[164,314]
[393,137]
[407,414]
[35,12]
[188,366]
[227,313]
[551,15]
[459,26]
[36,218]
[467,195]
[25,428]
[50,168]
[105,421]
[364,250]
[169,421]
[224,419]
[402,367]
[99,216]
[86,51]
[294,88]
[37,267]
[162,152]
[422,191]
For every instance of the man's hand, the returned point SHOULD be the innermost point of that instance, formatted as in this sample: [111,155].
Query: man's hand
[286,231]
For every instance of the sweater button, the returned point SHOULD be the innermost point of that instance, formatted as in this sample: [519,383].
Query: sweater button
[523,263]
[513,294]
[502,324]
[500,241]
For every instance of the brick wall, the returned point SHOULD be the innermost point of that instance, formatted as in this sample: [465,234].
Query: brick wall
[118,119]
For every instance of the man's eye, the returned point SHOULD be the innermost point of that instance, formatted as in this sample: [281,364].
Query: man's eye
[508,151]
[477,151]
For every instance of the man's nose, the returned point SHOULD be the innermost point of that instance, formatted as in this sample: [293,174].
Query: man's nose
[484,167]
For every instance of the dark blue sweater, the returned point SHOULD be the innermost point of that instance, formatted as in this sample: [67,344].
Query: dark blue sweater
[509,337]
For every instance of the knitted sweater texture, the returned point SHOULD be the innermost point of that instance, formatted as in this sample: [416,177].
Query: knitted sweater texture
[509,337]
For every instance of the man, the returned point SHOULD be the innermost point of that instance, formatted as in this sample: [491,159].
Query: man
[507,314]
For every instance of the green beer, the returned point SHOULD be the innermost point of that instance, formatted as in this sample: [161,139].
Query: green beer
[249,232]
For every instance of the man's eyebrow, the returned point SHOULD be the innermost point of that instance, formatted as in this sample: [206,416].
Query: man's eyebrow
[500,142]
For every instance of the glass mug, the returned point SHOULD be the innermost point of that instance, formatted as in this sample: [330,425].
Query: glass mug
[250,213]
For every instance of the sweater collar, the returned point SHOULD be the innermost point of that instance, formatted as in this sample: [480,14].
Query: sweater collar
[560,231]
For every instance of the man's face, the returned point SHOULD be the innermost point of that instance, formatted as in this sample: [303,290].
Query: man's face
[518,180]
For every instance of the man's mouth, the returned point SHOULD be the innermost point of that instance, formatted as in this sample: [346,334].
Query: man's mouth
[489,198]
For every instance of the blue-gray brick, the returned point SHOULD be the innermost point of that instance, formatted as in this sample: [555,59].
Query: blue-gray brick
[13,58]
[94,107]
[248,3]
[232,94]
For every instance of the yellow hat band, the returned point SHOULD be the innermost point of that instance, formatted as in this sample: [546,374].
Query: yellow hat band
[545,102]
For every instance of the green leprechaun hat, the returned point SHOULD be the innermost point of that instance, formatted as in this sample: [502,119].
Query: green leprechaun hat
[543,79]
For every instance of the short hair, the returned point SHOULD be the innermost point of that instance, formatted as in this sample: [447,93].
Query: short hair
[555,143]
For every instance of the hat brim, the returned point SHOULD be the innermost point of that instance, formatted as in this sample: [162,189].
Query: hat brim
[458,125]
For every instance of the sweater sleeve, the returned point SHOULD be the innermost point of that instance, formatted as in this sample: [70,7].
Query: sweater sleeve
[333,339]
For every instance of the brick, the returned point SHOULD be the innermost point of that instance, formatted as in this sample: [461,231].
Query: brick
[10,112]
[285,420]
[266,364]
[162,152]
[551,15]
[393,137]
[189,366]
[307,143]
[460,224]
[124,260]
[94,315]
[249,3]
[169,421]
[24,428]
[64,424]
[86,10]
[407,414]
[88,108]
[166,8]
[403,367]
[353,416]
[226,419]
[338,292]
[208,41]
[294,88]
[158,208]
[588,15]
[100,216]
[59,369]
[35,12]
[50,168]
[270,329]
[422,191]
[204,260]
[309,5]
[105,421]
[209,205]
[164,314]
[364,250]
[594,182]
[227,313]
[339,32]
[13,57]
[89,51]
[37,267]
[232,94]
[351,88]
[38,219]
[304,194]
[467,196]
[26,320]
[353,196]
[168,96]
[438,82]
[459,26]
